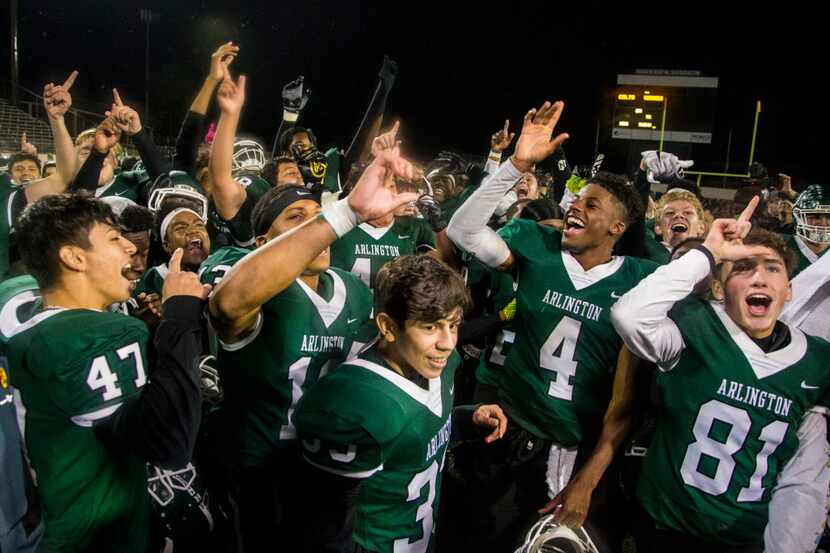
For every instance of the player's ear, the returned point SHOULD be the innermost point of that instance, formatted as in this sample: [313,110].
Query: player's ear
[618,227]
[261,240]
[387,327]
[73,258]
[717,286]
[657,230]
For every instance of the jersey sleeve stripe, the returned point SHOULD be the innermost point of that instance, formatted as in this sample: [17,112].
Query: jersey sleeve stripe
[87,419]
[347,474]
[236,346]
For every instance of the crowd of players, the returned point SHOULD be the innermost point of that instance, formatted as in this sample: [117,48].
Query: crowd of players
[344,350]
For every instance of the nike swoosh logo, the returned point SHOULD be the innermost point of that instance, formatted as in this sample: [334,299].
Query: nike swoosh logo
[808,387]
[350,321]
[8,399]
[118,193]
[452,389]
[403,237]
[615,296]
[304,193]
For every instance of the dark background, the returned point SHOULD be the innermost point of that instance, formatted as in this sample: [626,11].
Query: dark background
[464,67]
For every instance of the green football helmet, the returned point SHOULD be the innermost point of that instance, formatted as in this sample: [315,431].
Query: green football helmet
[812,214]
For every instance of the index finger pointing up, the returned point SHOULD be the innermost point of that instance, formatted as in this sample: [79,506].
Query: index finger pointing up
[175,264]
[117,97]
[67,84]
[746,214]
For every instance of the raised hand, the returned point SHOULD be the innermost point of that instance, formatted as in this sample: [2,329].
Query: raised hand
[56,98]
[371,198]
[27,147]
[125,117]
[231,95]
[388,72]
[107,135]
[725,239]
[223,56]
[663,164]
[535,143]
[493,418]
[294,98]
[182,283]
[387,140]
[502,139]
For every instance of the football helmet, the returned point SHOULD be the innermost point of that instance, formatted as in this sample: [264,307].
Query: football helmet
[177,184]
[547,536]
[248,155]
[814,201]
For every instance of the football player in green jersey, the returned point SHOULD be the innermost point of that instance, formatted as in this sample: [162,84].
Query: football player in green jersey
[15,196]
[92,417]
[375,431]
[181,223]
[280,306]
[812,225]
[743,396]
[559,375]
[236,186]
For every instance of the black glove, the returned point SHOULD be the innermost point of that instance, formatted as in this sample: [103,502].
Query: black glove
[388,72]
[431,211]
[294,98]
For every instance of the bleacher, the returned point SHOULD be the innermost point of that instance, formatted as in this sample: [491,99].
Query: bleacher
[14,121]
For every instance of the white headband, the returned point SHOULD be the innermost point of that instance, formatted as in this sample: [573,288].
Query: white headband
[169,219]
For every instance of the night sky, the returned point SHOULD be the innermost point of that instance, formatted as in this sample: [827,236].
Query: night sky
[464,68]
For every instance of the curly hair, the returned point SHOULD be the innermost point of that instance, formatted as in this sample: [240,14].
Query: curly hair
[631,206]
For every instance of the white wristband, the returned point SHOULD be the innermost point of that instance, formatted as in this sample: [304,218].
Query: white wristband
[290,116]
[495,156]
[341,217]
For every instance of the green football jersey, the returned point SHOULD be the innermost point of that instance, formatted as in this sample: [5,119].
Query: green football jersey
[729,425]
[366,421]
[655,250]
[6,182]
[804,254]
[491,364]
[19,302]
[12,202]
[299,336]
[133,185]
[239,229]
[152,281]
[557,379]
[365,249]
[74,367]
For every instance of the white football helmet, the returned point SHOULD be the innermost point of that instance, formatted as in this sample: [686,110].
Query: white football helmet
[248,156]
[811,206]
[547,536]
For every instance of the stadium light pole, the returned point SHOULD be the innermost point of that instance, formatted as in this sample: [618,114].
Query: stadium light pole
[148,18]
[13,35]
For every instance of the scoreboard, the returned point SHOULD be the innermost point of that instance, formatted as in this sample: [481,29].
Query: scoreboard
[689,101]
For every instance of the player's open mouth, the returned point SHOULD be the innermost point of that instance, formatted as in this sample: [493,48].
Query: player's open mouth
[679,228]
[126,271]
[522,192]
[194,244]
[573,225]
[758,304]
[437,362]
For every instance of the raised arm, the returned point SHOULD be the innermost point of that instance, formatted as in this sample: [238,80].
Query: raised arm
[294,99]
[499,142]
[57,101]
[373,118]
[187,143]
[468,227]
[107,135]
[129,122]
[268,270]
[228,195]
[641,315]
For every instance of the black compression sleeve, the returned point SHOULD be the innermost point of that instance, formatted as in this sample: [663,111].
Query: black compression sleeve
[161,424]
[474,329]
[187,143]
[154,162]
[88,175]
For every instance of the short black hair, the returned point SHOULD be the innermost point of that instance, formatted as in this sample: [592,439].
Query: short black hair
[55,221]
[626,196]
[23,156]
[419,288]
[136,218]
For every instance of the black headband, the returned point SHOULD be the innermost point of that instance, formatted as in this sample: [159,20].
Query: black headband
[276,204]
